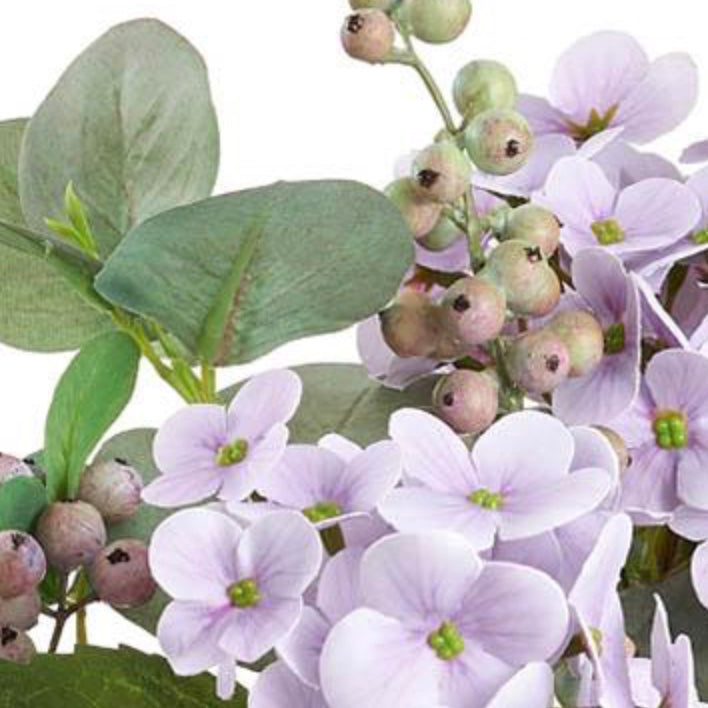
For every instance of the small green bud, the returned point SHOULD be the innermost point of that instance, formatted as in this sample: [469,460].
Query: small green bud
[608,232]
[499,141]
[244,594]
[436,21]
[368,35]
[538,361]
[442,236]
[671,430]
[16,646]
[534,224]
[322,511]
[232,453]
[582,335]
[421,214]
[446,642]
[490,501]
[442,172]
[467,400]
[482,85]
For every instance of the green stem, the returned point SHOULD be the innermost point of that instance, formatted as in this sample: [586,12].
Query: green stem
[81,629]
[474,231]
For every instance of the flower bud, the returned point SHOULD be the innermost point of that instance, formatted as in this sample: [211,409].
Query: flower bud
[71,533]
[442,236]
[368,35]
[384,5]
[583,336]
[419,213]
[476,309]
[536,225]
[16,646]
[437,21]
[21,612]
[11,467]
[483,85]
[408,325]
[22,564]
[618,445]
[499,141]
[467,400]
[538,361]
[442,172]
[532,288]
[120,574]
[113,487]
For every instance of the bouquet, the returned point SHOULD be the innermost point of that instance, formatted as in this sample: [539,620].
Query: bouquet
[504,506]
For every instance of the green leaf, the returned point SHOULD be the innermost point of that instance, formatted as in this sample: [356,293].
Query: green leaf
[22,500]
[40,305]
[131,123]
[237,275]
[106,678]
[89,397]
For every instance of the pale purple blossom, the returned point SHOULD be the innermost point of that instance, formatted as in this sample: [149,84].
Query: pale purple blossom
[624,165]
[278,686]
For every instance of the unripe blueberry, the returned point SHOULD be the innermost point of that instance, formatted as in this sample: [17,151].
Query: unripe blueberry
[368,35]
[538,361]
[442,172]
[536,225]
[11,467]
[21,612]
[618,445]
[476,309]
[482,85]
[467,400]
[16,646]
[113,487]
[409,326]
[371,4]
[437,21]
[22,564]
[499,141]
[120,574]
[442,236]
[419,213]
[71,533]
[532,288]
[583,336]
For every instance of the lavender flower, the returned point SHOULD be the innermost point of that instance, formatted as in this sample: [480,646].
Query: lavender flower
[278,686]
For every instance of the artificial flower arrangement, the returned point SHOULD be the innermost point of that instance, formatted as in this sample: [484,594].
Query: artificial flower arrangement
[506,507]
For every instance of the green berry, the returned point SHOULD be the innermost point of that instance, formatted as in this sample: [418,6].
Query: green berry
[384,5]
[436,21]
[534,224]
[419,213]
[482,85]
[538,361]
[368,35]
[499,141]
[442,236]
[442,172]
[467,400]
[583,336]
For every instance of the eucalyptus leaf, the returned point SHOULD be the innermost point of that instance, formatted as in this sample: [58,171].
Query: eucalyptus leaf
[22,500]
[106,678]
[131,124]
[237,275]
[41,308]
[89,397]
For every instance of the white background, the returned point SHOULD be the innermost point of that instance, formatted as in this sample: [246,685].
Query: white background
[293,106]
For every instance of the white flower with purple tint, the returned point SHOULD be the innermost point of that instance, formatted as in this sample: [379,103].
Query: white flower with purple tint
[515,483]
[624,165]
[438,626]
[206,450]
[278,686]
[236,593]
[606,80]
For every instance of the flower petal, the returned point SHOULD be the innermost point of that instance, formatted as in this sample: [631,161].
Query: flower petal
[370,476]
[173,490]
[339,445]
[339,588]
[699,573]
[690,523]
[692,465]
[532,687]
[678,380]
[301,648]
[541,115]
[278,686]
[695,153]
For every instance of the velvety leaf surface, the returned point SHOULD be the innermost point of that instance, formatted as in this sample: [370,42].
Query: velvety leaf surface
[236,275]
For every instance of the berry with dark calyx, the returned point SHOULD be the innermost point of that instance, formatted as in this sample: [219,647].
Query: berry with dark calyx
[22,564]
[21,612]
[536,225]
[436,21]
[442,172]
[538,361]
[482,85]
[120,574]
[71,533]
[499,141]
[368,35]
[11,467]
[16,646]
[421,214]
[113,487]
[476,309]
[520,269]
[467,400]
[442,236]
[583,336]
[408,325]
[618,445]
[384,5]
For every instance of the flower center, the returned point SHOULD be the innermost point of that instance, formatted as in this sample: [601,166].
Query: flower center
[232,453]
[322,511]
[670,430]
[596,123]
[615,338]
[608,232]
[491,501]
[446,642]
[701,237]
[244,593]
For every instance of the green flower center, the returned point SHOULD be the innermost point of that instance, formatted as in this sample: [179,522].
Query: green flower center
[608,232]
[244,593]
[446,642]
[701,237]
[322,511]
[596,123]
[492,501]
[232,453]
[615,338]
[671,430]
